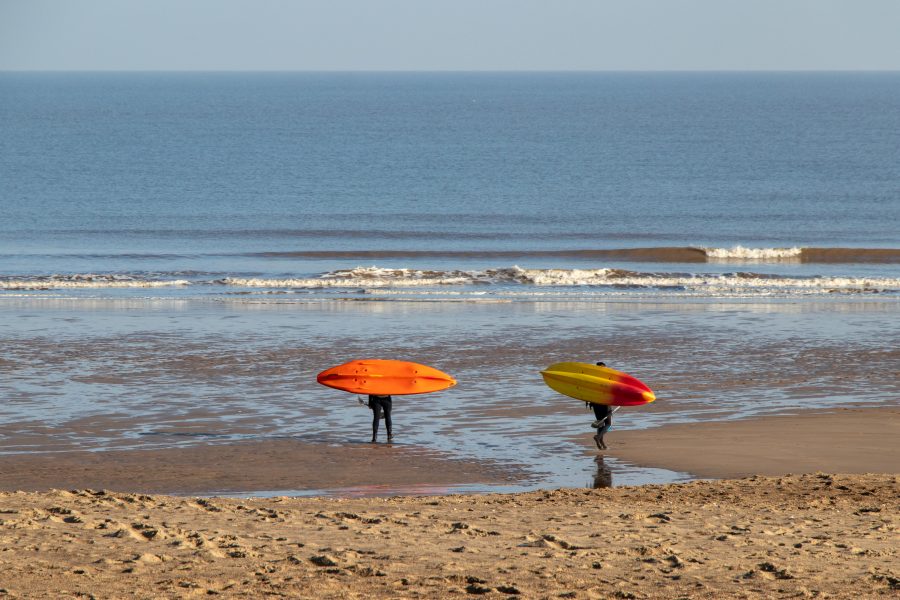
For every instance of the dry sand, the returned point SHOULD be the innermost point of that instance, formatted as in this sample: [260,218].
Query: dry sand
[844,441]
[799,536]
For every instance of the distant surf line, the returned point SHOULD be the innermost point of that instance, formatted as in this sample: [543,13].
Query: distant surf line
[662,254]
[650,254]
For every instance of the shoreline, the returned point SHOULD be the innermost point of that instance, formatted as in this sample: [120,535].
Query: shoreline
[849,441]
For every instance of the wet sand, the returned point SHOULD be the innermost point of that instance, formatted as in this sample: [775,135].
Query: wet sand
[798,536]
[104,376]
[843,441]
[268,466]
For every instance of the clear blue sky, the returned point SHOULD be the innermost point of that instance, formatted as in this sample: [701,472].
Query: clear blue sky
[449,34]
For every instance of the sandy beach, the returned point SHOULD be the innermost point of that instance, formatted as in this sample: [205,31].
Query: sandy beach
[809,535]
[799,536]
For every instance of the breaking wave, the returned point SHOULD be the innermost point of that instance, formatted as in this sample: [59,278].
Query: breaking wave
[479,282]
[701,283]
[85,281]
[805,255]
[754,254]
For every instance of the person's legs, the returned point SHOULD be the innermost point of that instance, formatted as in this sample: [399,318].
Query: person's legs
[602,413]
[386,405]
[601,431]
[376,416]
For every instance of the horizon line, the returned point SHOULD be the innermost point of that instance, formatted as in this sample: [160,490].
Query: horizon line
[451,71]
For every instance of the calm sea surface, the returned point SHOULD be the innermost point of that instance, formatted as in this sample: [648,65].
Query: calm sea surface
[211,183]
[178,242]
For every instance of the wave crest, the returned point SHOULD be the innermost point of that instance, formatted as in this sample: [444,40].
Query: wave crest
[493,281]
[84,281]
[702,283]
[754,254]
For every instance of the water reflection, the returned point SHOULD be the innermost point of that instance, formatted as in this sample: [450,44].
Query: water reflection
[603,475]
[94,374]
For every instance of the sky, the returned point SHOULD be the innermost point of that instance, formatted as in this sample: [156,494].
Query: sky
[449,35]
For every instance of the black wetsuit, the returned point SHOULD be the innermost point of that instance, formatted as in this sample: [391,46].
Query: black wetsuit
[379,405]
[603,413]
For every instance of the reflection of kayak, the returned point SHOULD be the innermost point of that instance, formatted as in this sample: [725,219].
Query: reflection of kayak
[599,385]
[385,377]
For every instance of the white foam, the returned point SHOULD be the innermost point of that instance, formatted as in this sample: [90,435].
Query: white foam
[86,281]
[753,254]
[711,283]
[361,277]
[500,280]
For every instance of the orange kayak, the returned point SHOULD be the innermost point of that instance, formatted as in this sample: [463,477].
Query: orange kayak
[385,378]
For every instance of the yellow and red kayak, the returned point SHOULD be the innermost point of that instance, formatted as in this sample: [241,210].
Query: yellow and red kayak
[385,377]
[600,385]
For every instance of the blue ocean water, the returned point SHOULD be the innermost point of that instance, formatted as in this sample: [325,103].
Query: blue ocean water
[709,184]
[180,254]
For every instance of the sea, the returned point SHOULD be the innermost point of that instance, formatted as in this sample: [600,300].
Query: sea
[181,253]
